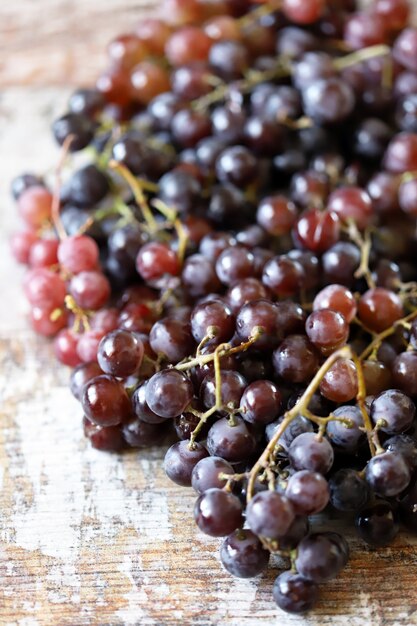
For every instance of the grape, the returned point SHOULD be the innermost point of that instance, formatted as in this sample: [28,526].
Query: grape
[294,593]
[405,47]
[181,459]
[88,186]
[206,473]
[108,438]
[404,372]
[90,290]
[139,434]
[348,491]
[308,452]
[351,203]
[140,407]
[43,288]
[269,514]
[319,558]
[296,427]
[35,205]
[156,259]
[120,353]
[80,375]
[295,360]
[394,409]
[234,264]
[243,555]
[260,402]
[336,298]
[276,214]
[364,29]
[168,393]
[218,513]
[105,401]
[404,445]
[308,492]
[378,524]
[171,339]
[388,474]
[347,438]
[233,443]
[215,317]
[75,125]
[283,276]
[327,330]
[328,101]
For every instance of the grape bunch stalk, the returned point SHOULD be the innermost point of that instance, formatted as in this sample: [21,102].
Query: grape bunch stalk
[232,269]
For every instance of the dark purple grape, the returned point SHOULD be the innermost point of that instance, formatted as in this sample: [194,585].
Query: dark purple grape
[168,393]
[218,513]
[140,406]
[233,385]
[108,438]
[261,402]
[172,339]
[395,410]
[297,531]
[404,445]
[319,558]
[120,353]
[180,460]
[296,359]
[234,443]
[269,514]
[388,474]
[296,427]
[408,508]
[139,434]
[206,474]
[105,401]
[243,555]
[295,594]
[347,438]
[80,376]
[308,492]
[308,451]
[348,491]
[212,318]
[378,524]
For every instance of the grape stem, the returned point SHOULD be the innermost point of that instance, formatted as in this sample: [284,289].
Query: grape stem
[301,407]
[376,342]
[359,56]
[137,190]
[56,202]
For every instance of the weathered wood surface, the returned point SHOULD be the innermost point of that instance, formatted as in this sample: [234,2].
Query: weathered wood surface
[94,539]
[60,42]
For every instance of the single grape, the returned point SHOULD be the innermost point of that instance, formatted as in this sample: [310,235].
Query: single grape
[319,558]
[168,393]
[180,461]
[308,492]
[218,513]
[348,491]
[105,401]
[388,474]
[393,410]
[243,555]
[294,594]
[346,436]
[260,402]
[120,353]
[232,442]
[206,473]
[377,524]
[269,514]
[308,452]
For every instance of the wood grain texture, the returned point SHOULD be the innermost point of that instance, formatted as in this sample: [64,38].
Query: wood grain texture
[60,42]
[94,539]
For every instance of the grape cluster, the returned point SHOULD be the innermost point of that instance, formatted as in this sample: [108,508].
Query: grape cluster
[234,265]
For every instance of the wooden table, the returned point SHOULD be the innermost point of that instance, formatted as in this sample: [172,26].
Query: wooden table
[89,538]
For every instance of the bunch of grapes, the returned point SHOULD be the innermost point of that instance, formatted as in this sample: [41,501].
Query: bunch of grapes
[233,265]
